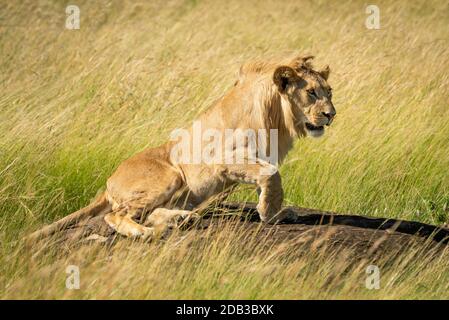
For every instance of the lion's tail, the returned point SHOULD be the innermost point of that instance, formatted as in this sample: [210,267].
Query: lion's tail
[100,204]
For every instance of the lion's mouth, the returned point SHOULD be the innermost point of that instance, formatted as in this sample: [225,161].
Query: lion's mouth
[311,127]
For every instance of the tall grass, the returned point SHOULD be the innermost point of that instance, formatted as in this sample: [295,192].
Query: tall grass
[75,103]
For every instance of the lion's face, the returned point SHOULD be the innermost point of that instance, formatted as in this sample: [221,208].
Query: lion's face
[309,94]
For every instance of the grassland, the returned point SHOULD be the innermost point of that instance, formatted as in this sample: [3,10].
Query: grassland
[75,103]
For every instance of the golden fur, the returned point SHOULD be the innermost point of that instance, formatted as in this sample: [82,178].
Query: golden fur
[290,97]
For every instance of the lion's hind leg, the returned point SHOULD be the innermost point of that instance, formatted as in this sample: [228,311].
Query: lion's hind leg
[150,193]
[162,218]
[121,220]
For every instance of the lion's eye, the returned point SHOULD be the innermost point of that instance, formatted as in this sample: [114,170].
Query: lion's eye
[312,93]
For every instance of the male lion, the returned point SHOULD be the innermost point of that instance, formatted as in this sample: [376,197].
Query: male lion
[290,97]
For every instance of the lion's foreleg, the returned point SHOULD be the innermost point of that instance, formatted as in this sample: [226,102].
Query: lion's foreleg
[267,179]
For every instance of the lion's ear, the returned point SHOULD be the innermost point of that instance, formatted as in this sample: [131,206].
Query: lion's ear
[300,62]
[282,77]
[325,72]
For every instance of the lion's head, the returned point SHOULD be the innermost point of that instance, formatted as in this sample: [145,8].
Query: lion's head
[308,92]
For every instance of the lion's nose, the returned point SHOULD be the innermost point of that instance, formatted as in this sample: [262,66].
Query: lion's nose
[329,115]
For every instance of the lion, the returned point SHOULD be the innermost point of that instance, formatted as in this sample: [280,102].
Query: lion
[155,189]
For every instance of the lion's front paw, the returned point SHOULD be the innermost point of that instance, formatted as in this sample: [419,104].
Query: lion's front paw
[269,213]
[270,204]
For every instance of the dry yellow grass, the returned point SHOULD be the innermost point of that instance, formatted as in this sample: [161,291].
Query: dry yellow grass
[75,103]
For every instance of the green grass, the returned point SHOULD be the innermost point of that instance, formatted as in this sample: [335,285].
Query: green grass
[74,104]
